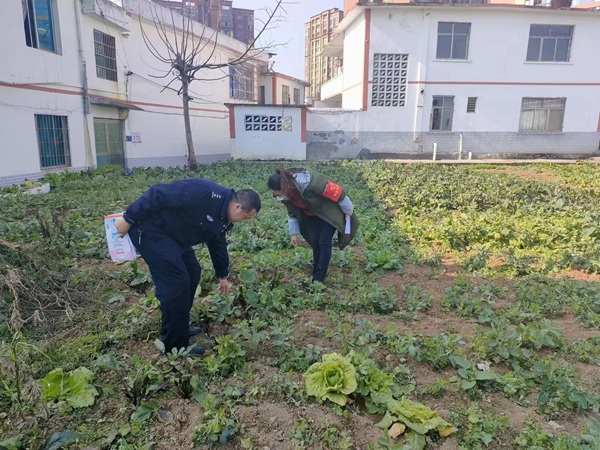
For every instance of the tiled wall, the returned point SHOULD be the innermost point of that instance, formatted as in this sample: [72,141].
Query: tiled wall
[341,145]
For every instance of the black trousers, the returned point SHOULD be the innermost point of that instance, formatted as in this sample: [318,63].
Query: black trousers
[176,274]
[322,246]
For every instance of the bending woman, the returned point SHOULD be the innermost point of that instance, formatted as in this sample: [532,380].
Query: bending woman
[317,208]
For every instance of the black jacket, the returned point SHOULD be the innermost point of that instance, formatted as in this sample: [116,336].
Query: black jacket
[190,211]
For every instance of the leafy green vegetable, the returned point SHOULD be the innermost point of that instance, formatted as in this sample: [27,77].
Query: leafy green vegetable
[74,388]
[415,416]
[333,379]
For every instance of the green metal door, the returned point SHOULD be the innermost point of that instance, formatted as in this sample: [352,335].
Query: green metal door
[108,134]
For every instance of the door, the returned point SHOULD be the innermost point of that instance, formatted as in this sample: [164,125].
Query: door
[108,134]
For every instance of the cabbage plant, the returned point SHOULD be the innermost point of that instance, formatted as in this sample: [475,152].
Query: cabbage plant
[333,379]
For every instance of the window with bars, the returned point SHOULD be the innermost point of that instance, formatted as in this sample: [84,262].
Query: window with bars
[453,40]
[471,104]
[542,114]
[441,113]
[53,141]
[106,56]
[41,30]
[296,96]
[390,72]
[241,82]
[550,43]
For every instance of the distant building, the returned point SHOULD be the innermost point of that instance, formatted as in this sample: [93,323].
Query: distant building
[319,69]
[235,22]
[490,79]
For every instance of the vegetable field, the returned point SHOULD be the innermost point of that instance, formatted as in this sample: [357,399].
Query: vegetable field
[466,315]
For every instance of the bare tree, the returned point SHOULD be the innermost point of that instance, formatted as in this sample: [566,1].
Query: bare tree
[191,56]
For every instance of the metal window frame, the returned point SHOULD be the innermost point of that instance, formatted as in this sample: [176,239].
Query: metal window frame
[554,38]
[61,147]
[31,18]
[242,82]
[442,108]
[106,64]
[453,34]
[105,122]
[544,108]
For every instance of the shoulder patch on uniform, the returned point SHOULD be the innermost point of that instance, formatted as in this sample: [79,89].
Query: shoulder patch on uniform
[332,191]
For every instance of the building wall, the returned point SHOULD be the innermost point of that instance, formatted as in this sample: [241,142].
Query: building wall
[40,82]
[288,143]
[354,61]
[499,83]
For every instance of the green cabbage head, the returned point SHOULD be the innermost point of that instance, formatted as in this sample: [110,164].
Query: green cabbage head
[333,379]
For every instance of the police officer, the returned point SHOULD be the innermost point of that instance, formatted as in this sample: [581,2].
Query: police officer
[164,224]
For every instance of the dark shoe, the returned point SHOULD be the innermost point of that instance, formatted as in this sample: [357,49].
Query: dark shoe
[192,332]
[195,330]
[190,351]
[196,351]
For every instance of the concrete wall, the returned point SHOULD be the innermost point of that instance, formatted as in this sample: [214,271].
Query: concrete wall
[341,134]
[287,142]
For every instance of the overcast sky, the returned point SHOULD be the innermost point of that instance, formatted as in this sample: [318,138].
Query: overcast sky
[289,60]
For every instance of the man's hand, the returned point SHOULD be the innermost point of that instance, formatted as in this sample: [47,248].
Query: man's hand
[295,240]
[224,286]
[122,227]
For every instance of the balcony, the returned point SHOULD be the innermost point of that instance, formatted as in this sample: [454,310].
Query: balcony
[333,87]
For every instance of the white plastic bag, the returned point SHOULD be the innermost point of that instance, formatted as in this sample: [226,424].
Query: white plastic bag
[120,248]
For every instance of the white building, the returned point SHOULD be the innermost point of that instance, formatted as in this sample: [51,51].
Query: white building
[78,89]
[494,80]
[275,88]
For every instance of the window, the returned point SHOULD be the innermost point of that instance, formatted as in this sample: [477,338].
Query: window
[542,114]
[108,136]
[441,113]
[549,43]
[268,123]
[296,96]
[261,95]
[40,25]
[106,56]
[471,104]
[390,72]
[53,141]
[285,94]
[453,40]
[241,82]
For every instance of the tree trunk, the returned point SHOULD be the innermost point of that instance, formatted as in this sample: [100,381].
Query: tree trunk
[192,163]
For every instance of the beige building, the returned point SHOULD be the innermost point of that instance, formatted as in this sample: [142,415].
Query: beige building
[317,34]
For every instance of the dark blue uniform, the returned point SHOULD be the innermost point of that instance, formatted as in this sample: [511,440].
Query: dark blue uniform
[167,220]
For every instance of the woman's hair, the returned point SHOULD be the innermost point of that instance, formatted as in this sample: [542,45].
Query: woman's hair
[283,180]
